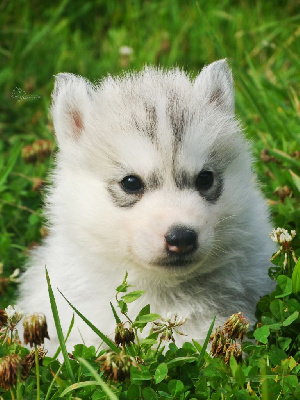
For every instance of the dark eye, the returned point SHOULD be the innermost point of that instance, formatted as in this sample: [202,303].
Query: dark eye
[204,180]
[132,184]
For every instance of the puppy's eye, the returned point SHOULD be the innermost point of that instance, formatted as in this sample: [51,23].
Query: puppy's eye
[132,184]
[204,180]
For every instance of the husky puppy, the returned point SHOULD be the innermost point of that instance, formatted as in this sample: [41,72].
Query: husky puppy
[153,177]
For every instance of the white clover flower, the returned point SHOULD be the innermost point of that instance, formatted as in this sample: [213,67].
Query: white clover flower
[14,314]
[125,51]
[10,311]
[19,313]
[285,237]
[169,316]
[282,236]
[174,319]
[181,320]
[15,274]
[167,326]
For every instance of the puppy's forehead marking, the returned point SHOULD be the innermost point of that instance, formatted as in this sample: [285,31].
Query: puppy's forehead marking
[183,180]
[178,115]
[151,119]
[167,109]
[147,125]
[155,181]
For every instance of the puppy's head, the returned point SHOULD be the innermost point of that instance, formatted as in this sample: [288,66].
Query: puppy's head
[152,169]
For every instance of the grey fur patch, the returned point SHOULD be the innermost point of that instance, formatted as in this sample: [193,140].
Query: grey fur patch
[223,153]
[217,166]
[216,97]
[211,195]
[123,199]
[147,127]
[178,116]
[155,181]
[183,180]
[220,157]
[120,198]
[151,125]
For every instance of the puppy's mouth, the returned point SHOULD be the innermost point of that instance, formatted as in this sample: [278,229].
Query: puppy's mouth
[175,261]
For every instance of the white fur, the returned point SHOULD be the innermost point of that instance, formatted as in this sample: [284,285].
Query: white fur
[93,242]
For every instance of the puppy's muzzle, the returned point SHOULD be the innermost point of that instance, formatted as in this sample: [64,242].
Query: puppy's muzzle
[181,240]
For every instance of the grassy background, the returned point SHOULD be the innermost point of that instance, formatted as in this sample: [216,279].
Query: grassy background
[261,40]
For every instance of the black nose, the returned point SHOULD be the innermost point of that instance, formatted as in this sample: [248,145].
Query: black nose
[181,239]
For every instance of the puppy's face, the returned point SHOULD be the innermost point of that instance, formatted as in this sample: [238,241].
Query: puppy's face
[152,170]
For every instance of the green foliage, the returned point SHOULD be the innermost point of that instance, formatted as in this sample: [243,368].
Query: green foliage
[259,40]
[58,329]
[279,313]
[105,339]
[296,278]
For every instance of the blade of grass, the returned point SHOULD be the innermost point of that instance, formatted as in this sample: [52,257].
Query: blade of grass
[204,347]
[52,382]
[98,381]
[281,155]
[58,329]
[118,321]
[296,179]
[78,386]
[211,32]
[179,361]
[66,338]
[253,98]
[11,162]
[105,339]
[38,36]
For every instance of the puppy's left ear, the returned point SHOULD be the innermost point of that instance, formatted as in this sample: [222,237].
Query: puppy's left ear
[72,101]
[215,85]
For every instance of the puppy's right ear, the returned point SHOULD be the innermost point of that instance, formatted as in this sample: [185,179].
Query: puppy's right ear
[215,85]
[72,100]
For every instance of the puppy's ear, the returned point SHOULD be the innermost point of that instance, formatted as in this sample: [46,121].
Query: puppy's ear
[215,85]
[72,100]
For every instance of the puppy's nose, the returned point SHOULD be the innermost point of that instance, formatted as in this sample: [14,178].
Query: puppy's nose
[181,240]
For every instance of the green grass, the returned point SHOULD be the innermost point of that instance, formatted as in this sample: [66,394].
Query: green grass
[135,369]
[39,39]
